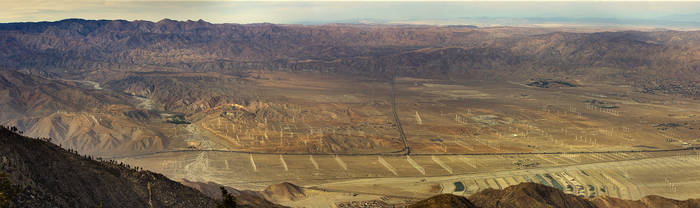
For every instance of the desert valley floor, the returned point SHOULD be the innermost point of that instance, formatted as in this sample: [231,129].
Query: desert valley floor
[347,138]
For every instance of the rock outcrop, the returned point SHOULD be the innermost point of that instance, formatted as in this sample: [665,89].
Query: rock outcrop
[536,195]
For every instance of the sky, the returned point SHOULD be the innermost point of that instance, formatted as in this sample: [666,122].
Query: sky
[685,14]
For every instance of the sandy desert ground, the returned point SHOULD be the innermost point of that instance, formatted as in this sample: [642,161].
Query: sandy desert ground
[337,137]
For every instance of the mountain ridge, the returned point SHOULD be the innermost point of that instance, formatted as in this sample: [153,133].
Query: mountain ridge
[537,195]
[45,175]
[663,61]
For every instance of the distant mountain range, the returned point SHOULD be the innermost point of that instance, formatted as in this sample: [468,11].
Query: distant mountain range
[100,50]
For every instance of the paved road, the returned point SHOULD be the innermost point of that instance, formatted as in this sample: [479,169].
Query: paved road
[395,154]
[402,135]
[406,149]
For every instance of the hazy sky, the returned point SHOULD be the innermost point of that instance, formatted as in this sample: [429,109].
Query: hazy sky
[315,12]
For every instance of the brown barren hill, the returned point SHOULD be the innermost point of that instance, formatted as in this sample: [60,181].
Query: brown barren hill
[244,198]
[647,201]
[527,195]
[444,200]
[537,195]
[283,192]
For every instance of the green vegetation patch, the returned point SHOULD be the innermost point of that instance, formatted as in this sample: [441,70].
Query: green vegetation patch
[178,119]
[547,83]
[602,104]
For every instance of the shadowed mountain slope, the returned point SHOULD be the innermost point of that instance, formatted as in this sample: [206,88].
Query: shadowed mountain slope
[645,202]
[443,200]
[537,195]
[527,195]
[45,175]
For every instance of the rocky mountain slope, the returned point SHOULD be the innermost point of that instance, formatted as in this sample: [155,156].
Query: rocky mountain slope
[527,195]
[88,119]
[443,200]
[283,192]
[664,61]
[40,174]
[243,197]
[645,202]
[537,195]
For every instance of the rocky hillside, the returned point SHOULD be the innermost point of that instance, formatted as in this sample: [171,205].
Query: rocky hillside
[283,192]
[645,202]
[527,195]
[444,200]
[243,197]
[661,61]
[535,195]
[41,174]
[89,119]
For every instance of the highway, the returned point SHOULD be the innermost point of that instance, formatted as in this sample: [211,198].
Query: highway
[395,154]
[406,149]
[402,135]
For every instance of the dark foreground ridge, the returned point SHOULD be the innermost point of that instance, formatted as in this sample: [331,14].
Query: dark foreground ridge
[37,173]
[533,195]
[42,174]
